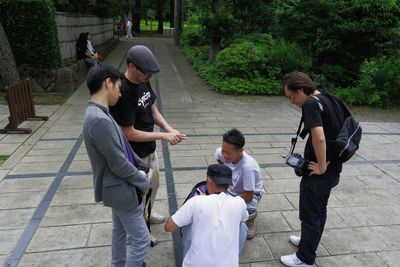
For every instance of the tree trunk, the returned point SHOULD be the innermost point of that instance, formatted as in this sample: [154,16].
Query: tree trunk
[215,45]
[177,21]
[160,16]
[8,68]
[136,16]
[171,15]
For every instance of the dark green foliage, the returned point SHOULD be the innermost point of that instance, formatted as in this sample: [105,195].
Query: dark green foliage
[251,68]
[193,36]
[285,57]
[32,33]
[219,24]
[341,33]
[241,60]
[379,81]
[101,8]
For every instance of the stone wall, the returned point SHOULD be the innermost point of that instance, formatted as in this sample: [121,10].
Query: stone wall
[69,26]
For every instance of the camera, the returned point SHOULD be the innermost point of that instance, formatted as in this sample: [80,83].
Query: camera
[297,162]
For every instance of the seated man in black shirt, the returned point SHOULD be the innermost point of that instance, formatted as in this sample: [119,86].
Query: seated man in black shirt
[137,113]
[322,120]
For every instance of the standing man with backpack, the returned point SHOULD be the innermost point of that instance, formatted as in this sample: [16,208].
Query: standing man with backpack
[136,113]
[323,117]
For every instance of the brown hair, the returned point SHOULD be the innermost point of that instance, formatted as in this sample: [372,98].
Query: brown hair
[297,80]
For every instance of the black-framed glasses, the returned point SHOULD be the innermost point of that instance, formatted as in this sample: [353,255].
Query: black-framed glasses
[142,71]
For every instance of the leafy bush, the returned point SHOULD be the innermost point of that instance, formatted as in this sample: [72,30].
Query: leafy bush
[256,38]
[193,36]
[379,80]
[285,57]
[239,86]
[31,30]
[241,60]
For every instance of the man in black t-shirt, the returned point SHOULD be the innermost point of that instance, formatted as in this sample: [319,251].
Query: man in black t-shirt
[137,113]
[322,120]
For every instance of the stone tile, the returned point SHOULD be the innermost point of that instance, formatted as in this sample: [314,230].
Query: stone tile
[282,186]
[391,258]
[380,182]
[365,197]
[281,173]
[161,255]
[47,152]
[3,260]
[47,158]
[294,200]
[54,145]
[22,185]
[274,202]
[352,240]
[15,138]
[56,238]
[100,235]
[192,177]
[178,162]
[80,166]
[20,200]
[256,250]
[28,168]
[369,216]
[8,149]
[271,222]
[349,182]
[76,214]
[73,196]
[266,264]
[8,240]
[391,169]
[268,158]
[15,219]
[99,257]
[280,245]
[364,259]
[389,234]
[333,220]
[76,182]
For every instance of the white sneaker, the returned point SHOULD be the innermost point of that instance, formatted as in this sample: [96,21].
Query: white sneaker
[156,218]
[292,261]
[295,240]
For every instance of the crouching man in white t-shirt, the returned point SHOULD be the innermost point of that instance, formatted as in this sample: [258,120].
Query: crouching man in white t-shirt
[216,223]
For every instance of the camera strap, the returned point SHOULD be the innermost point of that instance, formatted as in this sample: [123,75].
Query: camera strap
[294,139]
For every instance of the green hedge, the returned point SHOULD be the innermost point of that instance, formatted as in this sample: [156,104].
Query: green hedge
[32,33]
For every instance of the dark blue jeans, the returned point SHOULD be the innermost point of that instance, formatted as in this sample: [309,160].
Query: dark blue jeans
[314,195]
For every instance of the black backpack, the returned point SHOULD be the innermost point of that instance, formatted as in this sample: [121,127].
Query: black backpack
[347,141]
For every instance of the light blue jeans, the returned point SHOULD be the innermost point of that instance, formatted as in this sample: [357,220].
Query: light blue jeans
[187,237]
[132,223]
[252,205]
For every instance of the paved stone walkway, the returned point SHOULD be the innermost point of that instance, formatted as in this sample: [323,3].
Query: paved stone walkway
[48,217]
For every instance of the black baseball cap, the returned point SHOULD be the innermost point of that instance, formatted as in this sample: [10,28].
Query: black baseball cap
[220,174]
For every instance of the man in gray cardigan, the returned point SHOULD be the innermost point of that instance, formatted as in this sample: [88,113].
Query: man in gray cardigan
[117,182]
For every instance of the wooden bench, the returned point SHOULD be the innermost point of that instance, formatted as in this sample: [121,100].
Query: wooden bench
[20,104]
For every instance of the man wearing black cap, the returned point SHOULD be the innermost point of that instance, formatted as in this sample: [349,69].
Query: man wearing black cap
[137,113]
[218,231]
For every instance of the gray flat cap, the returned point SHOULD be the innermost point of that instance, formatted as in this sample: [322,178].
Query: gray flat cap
[142,57]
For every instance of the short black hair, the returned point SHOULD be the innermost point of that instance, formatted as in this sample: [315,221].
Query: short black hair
[234,137]
[98,74]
